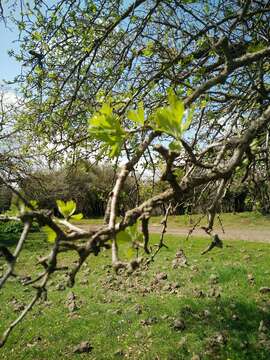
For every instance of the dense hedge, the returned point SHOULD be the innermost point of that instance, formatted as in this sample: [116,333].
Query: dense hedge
[15,227]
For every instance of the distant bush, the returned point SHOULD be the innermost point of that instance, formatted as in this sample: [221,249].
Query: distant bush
[15,227]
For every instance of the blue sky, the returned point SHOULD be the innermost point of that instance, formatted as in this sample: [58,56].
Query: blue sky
[9,67]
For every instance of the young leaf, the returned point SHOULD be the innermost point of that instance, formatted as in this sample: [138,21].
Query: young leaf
[51,235]
[123,236]
[34,203]
[77,216]
[134,233]
[137,115]
[175,146]
[13,210]
[66,209]
[169,119]
[149,49]
[115,149]
[105,127]
[130,253]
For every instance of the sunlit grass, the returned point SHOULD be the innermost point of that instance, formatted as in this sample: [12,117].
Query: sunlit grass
[107,315]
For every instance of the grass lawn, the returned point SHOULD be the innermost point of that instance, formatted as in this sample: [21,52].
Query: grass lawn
[212,308]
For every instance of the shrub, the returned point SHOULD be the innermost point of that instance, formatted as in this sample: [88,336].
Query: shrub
[15,227]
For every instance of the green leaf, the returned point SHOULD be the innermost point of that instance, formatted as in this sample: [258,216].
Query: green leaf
[256,47]
[130,234]
[130,253]
[13,210]
[175,146]
[21,25]
[123,236]
[203,103]
[149,49]
[134,233]
[132,230]
[38,70]
[66,209]
[36,36]
[106,109]
[105,127]
[51,234]
[137,115]
[77,216]
[34,203]
[169,119]
[172,120]
[115,149]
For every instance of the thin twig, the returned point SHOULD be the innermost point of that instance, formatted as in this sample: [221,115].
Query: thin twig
[161,241]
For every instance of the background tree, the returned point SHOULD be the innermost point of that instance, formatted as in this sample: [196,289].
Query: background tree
[89,186]
[5,198]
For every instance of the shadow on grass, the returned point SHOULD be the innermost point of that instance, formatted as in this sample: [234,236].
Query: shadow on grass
[227,329]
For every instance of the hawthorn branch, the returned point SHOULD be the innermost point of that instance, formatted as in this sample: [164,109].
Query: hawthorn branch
[213,208]
[11,259]
[164,222]
[145,231]
[126,169]
[246,59]
[168,174]
[216,242]
[39,291]
[20,196]
[73,228]
[20,318]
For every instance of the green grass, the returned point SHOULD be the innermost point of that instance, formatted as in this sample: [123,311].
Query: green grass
[108,319]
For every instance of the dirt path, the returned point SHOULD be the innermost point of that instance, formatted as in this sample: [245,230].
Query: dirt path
[247,234]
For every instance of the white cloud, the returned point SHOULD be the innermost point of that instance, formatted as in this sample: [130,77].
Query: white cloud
[9,99]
